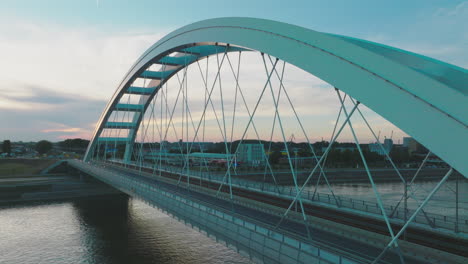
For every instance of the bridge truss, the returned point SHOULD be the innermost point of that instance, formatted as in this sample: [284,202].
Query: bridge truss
[247,83]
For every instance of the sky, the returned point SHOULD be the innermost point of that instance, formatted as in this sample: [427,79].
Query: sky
[61,60]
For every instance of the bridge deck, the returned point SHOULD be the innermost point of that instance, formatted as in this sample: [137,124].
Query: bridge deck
[290,225]
[426,220]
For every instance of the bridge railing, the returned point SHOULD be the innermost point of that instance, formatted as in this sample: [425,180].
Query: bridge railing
[426,219]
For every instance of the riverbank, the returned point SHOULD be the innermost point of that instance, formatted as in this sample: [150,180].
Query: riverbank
[24,181]
[36,188]
[11,167]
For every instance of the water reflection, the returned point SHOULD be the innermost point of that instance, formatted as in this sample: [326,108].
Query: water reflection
[104,230]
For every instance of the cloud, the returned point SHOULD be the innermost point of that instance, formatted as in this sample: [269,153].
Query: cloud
[439,33]
[79,61]
[454,11]
[56,79]
[64,129]
[28,96]
[315,102]
[36,113]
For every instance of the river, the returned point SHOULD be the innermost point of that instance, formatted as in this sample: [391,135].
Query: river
[443,202]
[103,231]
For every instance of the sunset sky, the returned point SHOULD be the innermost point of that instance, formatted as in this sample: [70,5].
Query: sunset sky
[61,60]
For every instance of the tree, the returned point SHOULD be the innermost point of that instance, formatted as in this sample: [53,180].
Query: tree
[347,157]
[6,147]
[274,157]
[76,143]
[303,152]
[43,146]
[399,155]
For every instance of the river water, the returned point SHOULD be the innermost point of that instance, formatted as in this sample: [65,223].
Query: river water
[103,231]
[443,202]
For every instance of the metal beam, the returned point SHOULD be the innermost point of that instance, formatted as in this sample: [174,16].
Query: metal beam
[140,90]
[176,61]
[156,75]
[120,125]
[129,107]
[427,107]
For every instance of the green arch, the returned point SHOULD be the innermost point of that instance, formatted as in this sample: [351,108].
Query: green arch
[424,97]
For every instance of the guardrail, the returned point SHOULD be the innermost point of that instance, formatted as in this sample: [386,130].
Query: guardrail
[429,220]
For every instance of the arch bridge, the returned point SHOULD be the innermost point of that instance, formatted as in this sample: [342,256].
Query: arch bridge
[271,212]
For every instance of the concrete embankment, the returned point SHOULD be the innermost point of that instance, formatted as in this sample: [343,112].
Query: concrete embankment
[34,180]
[51,187]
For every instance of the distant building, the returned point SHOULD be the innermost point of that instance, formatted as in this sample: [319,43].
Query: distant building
[194,159]
[203,158]
[376,148]
[407,141]
[412,145]
[387,147]
[388,144]
[251,154]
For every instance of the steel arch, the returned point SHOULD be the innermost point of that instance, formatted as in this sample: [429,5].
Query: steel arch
[424,97]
